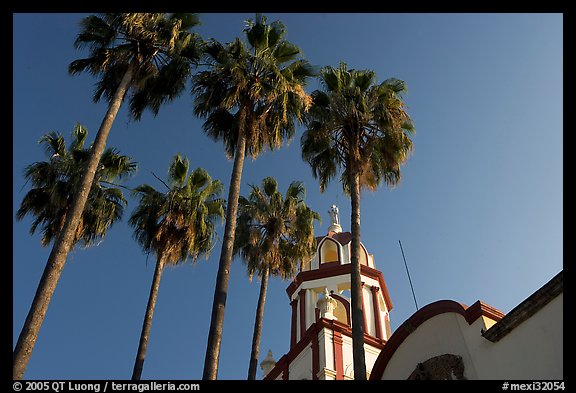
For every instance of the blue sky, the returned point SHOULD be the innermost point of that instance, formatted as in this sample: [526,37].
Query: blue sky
[479,210]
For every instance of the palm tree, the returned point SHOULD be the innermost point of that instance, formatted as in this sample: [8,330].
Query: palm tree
[50,199]
[360,128]
[176,225]
[148,54]
[272,235]
[53,185]
[250,94]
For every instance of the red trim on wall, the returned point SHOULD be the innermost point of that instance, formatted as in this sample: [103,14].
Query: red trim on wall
[338,357]
[337,270]
[302,302]
[286,372]
[376,308]
[313,330]
[480,308]
[347,331]
[288,358]
[278,368]
[471,314]
[294,305]
[377,275]
[327,265]
[341,237]
[315,355]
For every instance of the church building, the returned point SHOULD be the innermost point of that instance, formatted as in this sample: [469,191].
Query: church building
[442,340]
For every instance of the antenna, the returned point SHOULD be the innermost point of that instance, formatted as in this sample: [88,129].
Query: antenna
[409,279]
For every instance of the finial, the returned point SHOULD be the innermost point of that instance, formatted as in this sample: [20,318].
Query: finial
[327,305]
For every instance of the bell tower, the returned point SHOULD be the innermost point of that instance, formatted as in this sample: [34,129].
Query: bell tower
[321,326]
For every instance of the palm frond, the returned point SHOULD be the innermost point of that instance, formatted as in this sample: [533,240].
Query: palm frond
[357,127]
[257,84]
[273,232]
[159,47]
[54,182]
[180,224]
[178,170]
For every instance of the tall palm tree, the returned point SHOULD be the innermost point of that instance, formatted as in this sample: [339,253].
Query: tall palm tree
[360,128]
[147,54]
[273,234]
[50,199]
[251,94]
[175,225]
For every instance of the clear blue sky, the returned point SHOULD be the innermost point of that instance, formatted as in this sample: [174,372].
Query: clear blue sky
[479,210]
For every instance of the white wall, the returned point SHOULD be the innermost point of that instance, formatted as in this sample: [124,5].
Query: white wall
[327,369]
[301,367]
[436,336]
[533,350]
[369,311]
[347,357]
[370,355]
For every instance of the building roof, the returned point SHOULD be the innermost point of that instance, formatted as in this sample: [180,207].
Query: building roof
[504,323]
[341,237]
[470,313]
[526,309]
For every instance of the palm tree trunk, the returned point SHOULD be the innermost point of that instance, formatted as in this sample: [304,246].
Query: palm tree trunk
[221,288]
[57,259]
[147,325]
[356,283]
[258,326]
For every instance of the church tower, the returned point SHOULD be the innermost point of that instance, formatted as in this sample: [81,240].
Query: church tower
[321,330]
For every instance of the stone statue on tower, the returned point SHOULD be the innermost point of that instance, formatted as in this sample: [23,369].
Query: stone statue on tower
[334,215]
[334,220]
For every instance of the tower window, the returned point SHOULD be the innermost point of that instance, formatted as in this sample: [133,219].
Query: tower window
[329,252]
